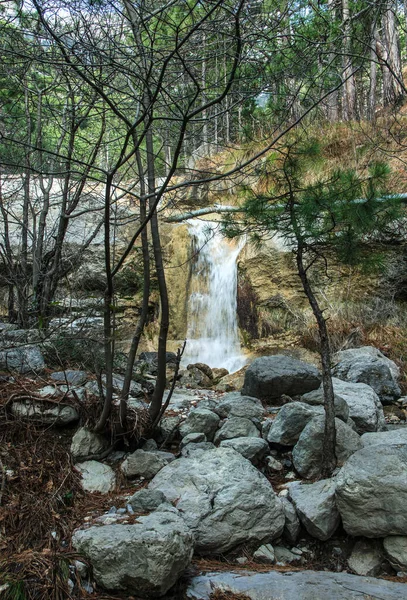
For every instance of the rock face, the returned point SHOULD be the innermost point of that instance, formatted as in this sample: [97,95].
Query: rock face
[236,405]
[371,492]
[85,443]
[254,449]
[145,464]
[269,377]
[365,408]
[96,476]
[289,423]
[223,499]
[395,548]
[369,365]
[145,559]
[45,413]
[236,427]
[307,454]
[305,585]
[316,507]
[26,359]
[200,420]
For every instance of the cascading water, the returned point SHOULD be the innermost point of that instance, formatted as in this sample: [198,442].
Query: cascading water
[212,335]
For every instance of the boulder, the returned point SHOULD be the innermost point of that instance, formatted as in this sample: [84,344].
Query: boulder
[389,438]
[145,464]
[195,378]
[395,548]
[96,476]
[236,405]
[307,453]
[292,525]
[316,399]
[236,427]
[70,377]
[371,492]
[369,365]
[197,449]
[316,507]
[265,554]
[45,413]
[200,420]
[366,558]
[285,557]
[192,438]
[270,377]
[85,443]
[151,358]
[254,449]
[25,359]
[144,559]
[365,408]
[291,419]
[146,500]
[232,382]
[223,498]
[219,373]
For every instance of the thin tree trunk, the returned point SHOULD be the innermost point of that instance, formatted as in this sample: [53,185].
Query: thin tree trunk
[393,89]
[349,88]
[371,106]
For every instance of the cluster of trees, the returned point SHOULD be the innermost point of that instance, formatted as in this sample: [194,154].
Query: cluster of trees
[106,101]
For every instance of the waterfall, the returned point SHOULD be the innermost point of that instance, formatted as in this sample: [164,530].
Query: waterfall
[212,334]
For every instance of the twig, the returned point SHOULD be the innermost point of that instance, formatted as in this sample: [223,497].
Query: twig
[3,480]
[180,352]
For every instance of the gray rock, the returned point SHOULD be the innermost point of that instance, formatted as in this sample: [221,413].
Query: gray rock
[292,525]
[265,554]
[366,558]
[25,359]
[236,405]
[316,507]
[96,476]
[146,500]
[192,438]
[169,427]
[265,427]
[299,585]
[145,464]
[85,443]
[316,399]
[45,413]
[70,377]
[236,427]
[289,423]
[200,420]
[223,498]
[371,492]
[284,556]
[365,408]
[274,465]
[254,449]
[369,365]
[389,438]
[395,548]
[196,449]
[144,559]
[150,445]
[269,377]
[307,454]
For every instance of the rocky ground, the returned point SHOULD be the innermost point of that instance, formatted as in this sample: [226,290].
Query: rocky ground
[225,501]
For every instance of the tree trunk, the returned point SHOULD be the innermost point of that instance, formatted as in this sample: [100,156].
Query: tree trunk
[371,105]
[393,88]
[349,87]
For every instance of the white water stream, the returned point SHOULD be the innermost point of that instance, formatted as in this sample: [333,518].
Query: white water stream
[212,336]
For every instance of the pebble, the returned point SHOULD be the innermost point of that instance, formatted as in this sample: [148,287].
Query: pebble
[283,493]
[121,511]
[291,475]
[273,464]
[129,509]
[241,560]
[112,510]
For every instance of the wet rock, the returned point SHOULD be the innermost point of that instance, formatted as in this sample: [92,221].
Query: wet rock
[45,413]
[371,492]
[316,507]
[200,420]
[86,443]
[145,464]
[223,498]
[96,476]
[366,558]
[270,377]
[146,500]
[23,360]
[307,454]
[236,427]
[236,405]
[254,449]
[144,559]
[395,548]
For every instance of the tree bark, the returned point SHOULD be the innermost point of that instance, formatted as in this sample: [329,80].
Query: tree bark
[349,89]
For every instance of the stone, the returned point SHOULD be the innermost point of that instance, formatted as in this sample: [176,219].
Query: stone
[151,358]
[194,378]
[70,377]
[85,443]
[269,377]
[223,498]
[146,500]
[366,558]
[23,360]
[192,438]
[395,548]
[316,399]
[196,449]
[150,445]
[274,465]
[219,373]
[265,554]
[368,365]
[292,525]
[144,559]
[145,464]
[168,428]
[45,413]
[316,507]
[236,427]
[371,492]
[307,453]
[389,438]
[204,368]
[232,382]
[365,408]
[96,476]
[254,449]
[284,556]
[298,585]
[236,405]
[291,419]
[200,420]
